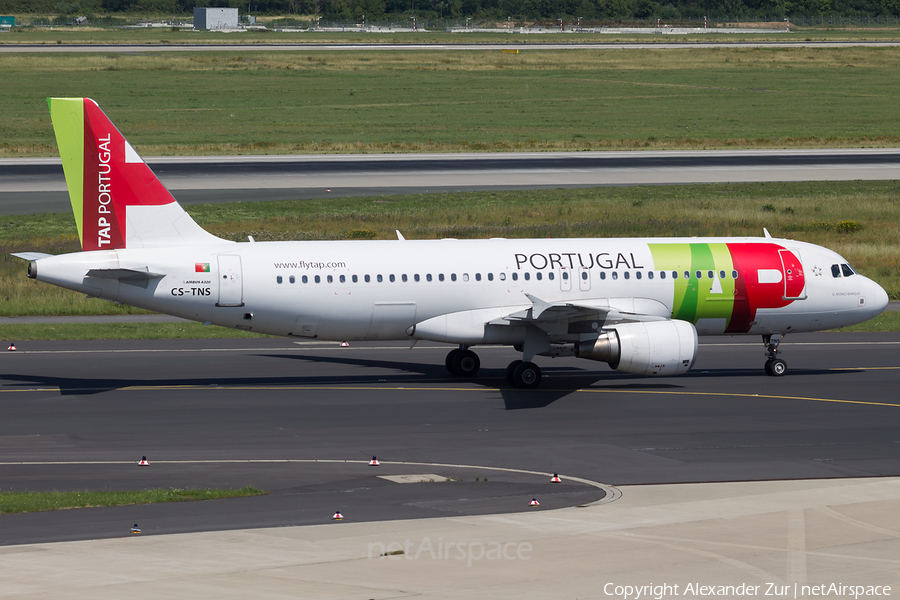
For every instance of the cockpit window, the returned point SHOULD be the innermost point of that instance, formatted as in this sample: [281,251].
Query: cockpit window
[848,270]
[835,270]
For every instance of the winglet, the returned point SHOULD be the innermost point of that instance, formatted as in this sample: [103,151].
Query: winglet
[766,233]
[400,236]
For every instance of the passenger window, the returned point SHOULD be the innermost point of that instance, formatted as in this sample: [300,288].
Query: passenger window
[674,274]
[687,274]
[452,276]
[466,277]
[721,274]
[584,275]
[734,274]
[615,275]
[847,270]
[638,274]
[367,279]
[710,274]
[392,278]
[304,279]
[343,279]
[416,277]
[279,279]
[515,276]
[428,277]
[662,274]
[403,277]
[550,276]
[380,278]
[835,270]
[602,274]
[318,279]
[527,276]
[440,276]
[502,276]
[699,275]
[627,275]
[565,275]
[477,276]
[330,279]
[538,276]
[292,279]
[355,279]
[490,276]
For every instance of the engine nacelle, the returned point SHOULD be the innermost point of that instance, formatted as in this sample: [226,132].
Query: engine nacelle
[650,348]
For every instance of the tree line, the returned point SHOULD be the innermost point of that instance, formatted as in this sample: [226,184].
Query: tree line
[484,10]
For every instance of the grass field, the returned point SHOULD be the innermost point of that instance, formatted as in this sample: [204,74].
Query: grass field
[256,102]
[860,220]
[29,502]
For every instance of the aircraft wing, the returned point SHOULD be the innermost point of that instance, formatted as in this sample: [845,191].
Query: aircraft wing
[608,310]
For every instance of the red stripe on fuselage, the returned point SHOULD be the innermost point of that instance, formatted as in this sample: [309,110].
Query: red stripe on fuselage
[750,294]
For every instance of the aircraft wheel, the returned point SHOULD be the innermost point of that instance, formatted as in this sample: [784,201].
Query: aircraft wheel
[510,370]
[451,356]
[527,376]
[776,367]
[466,363]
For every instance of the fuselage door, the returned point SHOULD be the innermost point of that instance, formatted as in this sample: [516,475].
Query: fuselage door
[390,320]
[231,287]
[794,279]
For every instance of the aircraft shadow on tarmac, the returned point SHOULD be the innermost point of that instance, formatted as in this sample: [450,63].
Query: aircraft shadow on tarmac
[559,382]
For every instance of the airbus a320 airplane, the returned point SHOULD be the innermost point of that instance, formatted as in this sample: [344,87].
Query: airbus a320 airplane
[637,304]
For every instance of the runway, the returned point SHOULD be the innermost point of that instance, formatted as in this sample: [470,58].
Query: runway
[275,413]
[37,185]
[311,46]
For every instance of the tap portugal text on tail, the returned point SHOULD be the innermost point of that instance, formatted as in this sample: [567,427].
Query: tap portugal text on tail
[636,304]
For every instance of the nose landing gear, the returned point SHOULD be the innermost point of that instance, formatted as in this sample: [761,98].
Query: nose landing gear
[775,367]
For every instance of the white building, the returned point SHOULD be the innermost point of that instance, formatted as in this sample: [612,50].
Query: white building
[215,18]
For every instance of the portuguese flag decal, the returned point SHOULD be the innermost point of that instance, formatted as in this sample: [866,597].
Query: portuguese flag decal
[201,267]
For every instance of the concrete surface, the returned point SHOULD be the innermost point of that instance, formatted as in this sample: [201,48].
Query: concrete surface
[771,534]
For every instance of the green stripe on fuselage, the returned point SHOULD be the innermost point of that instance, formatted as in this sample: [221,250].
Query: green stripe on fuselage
[703,298]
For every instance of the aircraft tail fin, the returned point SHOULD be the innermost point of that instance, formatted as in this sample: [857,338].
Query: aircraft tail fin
[117,200]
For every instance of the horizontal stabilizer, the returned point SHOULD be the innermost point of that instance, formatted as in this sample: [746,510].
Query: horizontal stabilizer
[31,255]
[125,275]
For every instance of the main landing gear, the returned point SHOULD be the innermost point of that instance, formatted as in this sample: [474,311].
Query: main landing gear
[775,367]
[465,363]
[462,362]
[523,374]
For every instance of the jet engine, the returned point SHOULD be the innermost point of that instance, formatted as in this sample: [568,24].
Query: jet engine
[646,348]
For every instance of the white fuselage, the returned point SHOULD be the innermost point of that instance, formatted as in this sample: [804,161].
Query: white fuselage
[356,290]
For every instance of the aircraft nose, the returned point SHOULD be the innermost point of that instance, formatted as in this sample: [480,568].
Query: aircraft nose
[878,299]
